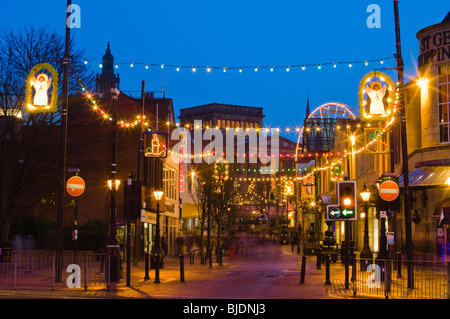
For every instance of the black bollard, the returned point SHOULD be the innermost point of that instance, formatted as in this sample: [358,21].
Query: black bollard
[302,273]
[182,268]
[147,277]
[327,270]
[399,264]
[319,259]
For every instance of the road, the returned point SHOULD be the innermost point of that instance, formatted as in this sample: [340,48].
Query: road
[265,271]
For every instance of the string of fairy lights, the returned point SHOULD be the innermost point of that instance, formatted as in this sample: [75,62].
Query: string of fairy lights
[240,69]
[142,120]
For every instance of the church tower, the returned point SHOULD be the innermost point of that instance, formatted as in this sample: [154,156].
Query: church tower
[107,79]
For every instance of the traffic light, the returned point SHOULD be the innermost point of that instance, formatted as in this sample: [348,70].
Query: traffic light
[347,199]
[132,200]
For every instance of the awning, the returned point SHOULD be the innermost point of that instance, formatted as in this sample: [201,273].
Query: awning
[189,210]
[428,176]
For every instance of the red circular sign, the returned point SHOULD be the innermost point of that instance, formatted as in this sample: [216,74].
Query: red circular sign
[389,191]
[75,186]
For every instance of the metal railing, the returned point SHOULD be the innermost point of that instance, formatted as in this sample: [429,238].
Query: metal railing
[37,270]
[390,279]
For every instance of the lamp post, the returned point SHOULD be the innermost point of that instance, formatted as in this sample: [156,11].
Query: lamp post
[366,253]
[157,248]
[112,245]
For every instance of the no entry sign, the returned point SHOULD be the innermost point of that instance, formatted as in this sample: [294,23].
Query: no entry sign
[389,191]
[75,186]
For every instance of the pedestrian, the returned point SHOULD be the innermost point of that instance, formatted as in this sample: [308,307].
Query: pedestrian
[164,245]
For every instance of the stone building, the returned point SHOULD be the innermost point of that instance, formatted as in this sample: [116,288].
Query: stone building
[427,102]
[246,166]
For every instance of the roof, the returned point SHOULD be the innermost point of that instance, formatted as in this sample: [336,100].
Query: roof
[447,18]
[219,108]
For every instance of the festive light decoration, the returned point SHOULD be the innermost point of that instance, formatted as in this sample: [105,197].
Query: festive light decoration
[155,144]
[376,96]
[41,84]
[333,167]
[210,68]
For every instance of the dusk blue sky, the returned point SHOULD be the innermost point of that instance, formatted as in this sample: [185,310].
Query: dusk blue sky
[240,33]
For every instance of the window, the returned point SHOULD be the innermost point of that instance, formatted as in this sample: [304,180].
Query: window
[170,183]
[444,103]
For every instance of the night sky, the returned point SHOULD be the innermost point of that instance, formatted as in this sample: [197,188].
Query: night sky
[239,33]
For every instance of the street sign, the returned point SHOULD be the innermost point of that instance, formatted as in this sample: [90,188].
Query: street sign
[389,191]
[333,212]
[75,186]
[390,238]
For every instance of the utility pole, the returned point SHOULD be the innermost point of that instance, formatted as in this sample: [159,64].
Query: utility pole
[62,164]
[406,194]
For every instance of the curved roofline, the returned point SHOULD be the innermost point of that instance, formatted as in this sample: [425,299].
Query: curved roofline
[445,21]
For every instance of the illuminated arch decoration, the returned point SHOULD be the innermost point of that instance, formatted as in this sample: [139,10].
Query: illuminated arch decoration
[40,84]
[324,120]
[377,96]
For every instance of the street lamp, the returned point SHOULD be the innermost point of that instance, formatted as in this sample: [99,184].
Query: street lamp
[366,253]
[116,186]
[157,248]
[112,245]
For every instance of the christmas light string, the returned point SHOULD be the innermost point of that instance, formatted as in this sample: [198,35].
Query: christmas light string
[138,120]
[240,69]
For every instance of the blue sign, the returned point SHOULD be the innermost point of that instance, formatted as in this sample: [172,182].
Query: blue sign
[334,212]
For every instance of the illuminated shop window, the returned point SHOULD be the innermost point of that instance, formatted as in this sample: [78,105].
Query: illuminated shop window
[444,103]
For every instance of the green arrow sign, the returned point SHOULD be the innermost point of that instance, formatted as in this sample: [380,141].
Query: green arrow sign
[347,212]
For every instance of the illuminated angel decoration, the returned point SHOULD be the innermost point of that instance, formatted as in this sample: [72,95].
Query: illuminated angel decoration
[41,85]
[376,92]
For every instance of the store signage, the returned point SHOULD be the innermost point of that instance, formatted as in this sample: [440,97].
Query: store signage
[434,47]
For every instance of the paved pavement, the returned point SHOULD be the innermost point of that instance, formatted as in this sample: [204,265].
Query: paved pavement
[259,271]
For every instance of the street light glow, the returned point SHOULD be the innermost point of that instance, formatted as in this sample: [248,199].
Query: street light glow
[158,194]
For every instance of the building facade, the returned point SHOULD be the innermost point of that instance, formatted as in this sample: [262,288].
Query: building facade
[426,100]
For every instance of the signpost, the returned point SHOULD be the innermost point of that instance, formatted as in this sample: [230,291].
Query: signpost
[389,190]
[75,186]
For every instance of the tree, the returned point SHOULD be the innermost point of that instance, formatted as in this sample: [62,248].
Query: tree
[213,192]
[223,192]
[201,196]
[28,142]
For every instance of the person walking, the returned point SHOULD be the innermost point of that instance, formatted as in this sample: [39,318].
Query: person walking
[164,245]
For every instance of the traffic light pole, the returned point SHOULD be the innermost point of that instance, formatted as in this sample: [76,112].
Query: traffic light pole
[346,253]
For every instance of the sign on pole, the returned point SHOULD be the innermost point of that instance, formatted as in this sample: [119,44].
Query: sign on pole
[389,191]
[390,238]
[75,186]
